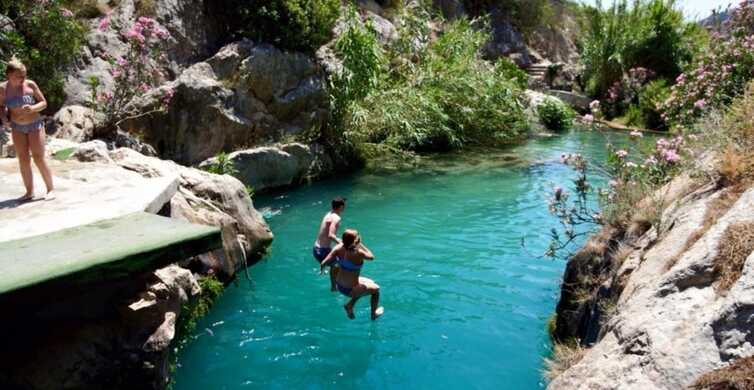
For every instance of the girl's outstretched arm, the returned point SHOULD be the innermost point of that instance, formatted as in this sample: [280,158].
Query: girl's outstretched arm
[329,258]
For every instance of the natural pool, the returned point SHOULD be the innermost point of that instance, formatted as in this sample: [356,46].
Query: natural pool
[465,304]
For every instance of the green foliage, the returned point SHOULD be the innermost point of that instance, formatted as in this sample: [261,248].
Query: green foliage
[651,98]
[193,310]
[291,24]
[222,165]
[555,115]
[250,190]
[444,99]
[648,34]
[46,38]
[634,117]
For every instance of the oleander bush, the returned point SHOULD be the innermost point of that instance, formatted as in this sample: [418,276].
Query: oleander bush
[719,74]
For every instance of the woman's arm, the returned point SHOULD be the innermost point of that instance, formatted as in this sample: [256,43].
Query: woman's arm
[41,103]
[368,255]
[329,258]
[3,110]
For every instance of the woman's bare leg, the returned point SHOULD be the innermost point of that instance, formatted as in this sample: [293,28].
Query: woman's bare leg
[372,288]
[21,144]
[37,147]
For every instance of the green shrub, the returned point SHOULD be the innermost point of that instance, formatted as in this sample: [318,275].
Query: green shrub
[555,115]
[46,38]
[634,116]
[291,24]
[448,98]
[651,98]
[222,165]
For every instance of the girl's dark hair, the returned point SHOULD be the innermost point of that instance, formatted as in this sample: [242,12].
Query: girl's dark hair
[338,203]
[351,239]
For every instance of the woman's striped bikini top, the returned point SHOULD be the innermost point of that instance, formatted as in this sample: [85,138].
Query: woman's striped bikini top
[18,101]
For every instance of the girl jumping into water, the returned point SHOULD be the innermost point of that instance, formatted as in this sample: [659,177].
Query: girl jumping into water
[350,254]
[24,101]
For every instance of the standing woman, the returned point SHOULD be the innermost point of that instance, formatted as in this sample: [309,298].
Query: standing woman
[24,101]
[350,254]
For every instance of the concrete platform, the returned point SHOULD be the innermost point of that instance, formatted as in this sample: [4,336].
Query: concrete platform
[86,193]
[104,250]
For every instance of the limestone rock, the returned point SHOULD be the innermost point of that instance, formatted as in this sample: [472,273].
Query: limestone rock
[75,123]
[205,198]
[246,94]
[284,165]
[92,151]
[506,40]
[194,34]
[451,9]
[670,325]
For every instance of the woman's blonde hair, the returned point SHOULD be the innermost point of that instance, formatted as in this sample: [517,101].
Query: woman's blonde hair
[351,239]
[15,65]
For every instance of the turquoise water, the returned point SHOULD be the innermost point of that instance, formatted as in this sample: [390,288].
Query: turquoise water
[465,304]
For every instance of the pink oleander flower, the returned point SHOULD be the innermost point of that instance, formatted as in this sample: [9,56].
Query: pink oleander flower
[621,153]
[670,156]
[594,105]
[121,61]
[636,134]
[104,23]
[700,104]
[66,12]
[589,118]
[144,88]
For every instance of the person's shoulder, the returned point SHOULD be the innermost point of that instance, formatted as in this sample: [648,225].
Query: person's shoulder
[32,84]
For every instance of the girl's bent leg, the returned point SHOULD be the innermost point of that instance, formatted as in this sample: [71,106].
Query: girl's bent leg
[373,289]
[37,147]
[21,144]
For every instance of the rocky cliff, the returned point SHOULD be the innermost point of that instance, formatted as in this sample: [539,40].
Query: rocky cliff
[658,305]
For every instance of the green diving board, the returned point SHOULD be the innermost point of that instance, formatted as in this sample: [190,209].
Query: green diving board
[104,250]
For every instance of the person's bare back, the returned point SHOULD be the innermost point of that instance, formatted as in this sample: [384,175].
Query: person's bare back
[328,230]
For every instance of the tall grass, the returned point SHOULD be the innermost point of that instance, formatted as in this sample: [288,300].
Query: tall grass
[446,98]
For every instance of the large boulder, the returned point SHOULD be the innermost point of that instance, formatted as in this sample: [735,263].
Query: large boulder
[270,167]
[245,94]
[450,9]
[209,199]
[74,123]
[506,40]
